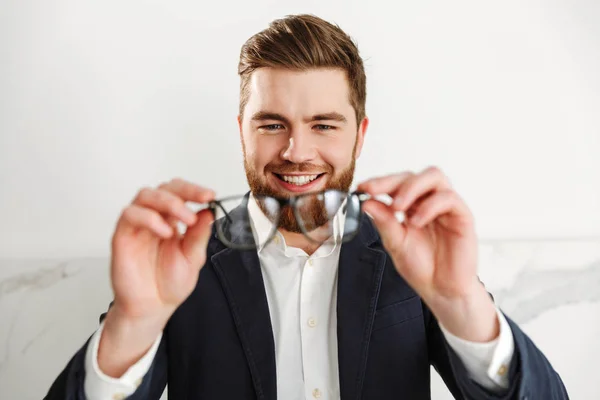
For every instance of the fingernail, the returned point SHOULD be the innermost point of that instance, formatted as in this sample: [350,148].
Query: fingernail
[400,216]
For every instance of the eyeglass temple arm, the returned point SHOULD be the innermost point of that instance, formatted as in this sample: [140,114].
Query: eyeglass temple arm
[216,203]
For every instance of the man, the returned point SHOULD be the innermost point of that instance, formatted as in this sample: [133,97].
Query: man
[291,317]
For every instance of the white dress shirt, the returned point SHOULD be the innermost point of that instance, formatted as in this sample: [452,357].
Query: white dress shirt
[302,296]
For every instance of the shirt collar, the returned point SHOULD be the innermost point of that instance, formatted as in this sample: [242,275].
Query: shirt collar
[261,224]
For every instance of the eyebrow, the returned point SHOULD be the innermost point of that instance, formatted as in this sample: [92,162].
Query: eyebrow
[267,115]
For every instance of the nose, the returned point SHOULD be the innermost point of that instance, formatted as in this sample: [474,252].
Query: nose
[299,149]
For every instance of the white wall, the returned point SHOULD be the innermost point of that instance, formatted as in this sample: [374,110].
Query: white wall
[98,99]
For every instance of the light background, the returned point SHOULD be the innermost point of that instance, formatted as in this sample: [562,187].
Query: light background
[98,99]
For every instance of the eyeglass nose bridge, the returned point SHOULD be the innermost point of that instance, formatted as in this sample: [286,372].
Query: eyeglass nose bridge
[293,201]
[286,202]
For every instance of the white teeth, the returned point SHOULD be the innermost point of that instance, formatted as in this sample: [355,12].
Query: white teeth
[299,179]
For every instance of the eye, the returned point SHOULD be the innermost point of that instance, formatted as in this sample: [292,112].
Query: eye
[322,127]
[271,127]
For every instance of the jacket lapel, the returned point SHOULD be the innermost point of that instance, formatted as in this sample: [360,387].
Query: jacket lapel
[241,277]
[359,279]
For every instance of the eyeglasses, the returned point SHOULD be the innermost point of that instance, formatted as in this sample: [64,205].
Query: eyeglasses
[250,221]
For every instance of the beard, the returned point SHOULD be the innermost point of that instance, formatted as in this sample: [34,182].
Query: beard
[312,211]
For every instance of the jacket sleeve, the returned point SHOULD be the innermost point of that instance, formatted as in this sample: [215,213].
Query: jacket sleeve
[530,374]
[69,385]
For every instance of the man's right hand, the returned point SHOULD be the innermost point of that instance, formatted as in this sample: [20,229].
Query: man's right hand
[154,269]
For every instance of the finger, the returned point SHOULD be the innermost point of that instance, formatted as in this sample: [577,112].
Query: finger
[391,230]
[430,180]
[174,223]
[196,239]
[415,206]
[189,191]
[165,202]
[384,184]
[171,221]
[137,217]
[444,206]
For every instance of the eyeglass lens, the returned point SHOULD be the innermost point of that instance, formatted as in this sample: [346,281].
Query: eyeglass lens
[250,221]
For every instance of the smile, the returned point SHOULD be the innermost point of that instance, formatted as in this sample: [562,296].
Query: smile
[298,180]
[299,183]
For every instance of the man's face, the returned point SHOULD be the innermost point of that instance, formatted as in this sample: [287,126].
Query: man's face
[299,134]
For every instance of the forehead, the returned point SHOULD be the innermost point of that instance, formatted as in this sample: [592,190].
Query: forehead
[296,93]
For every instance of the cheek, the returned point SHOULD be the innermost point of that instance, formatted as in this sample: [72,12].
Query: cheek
[338,155]
[263,150]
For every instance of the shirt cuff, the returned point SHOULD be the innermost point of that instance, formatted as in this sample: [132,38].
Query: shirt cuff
[487,363]
[98,385]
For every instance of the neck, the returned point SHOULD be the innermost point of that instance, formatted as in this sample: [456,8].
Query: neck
[300,241]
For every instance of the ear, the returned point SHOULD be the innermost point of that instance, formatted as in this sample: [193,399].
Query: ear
[360,136]
[239,121]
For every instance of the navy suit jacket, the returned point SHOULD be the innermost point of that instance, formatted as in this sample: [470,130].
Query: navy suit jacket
[219,343]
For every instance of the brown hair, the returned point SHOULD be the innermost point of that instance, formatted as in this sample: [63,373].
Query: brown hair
[301,42]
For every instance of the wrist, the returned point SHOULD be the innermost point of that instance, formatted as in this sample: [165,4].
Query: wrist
[120,317]
[472,316]
[125,340]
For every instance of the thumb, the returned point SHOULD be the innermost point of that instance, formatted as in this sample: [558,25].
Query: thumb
[196,239]
[391,230]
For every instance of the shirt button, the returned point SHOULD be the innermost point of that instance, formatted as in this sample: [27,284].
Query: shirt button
[310,261]
[312,322]
[119,396]
[276,239]
[138,382]
[317,393]
[502,370]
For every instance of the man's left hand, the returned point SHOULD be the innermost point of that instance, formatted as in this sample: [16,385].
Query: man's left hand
[434,249]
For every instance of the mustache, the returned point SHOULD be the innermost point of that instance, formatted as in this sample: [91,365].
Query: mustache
[289,167]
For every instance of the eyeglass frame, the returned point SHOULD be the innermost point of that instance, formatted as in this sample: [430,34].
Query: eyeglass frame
[292,201]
